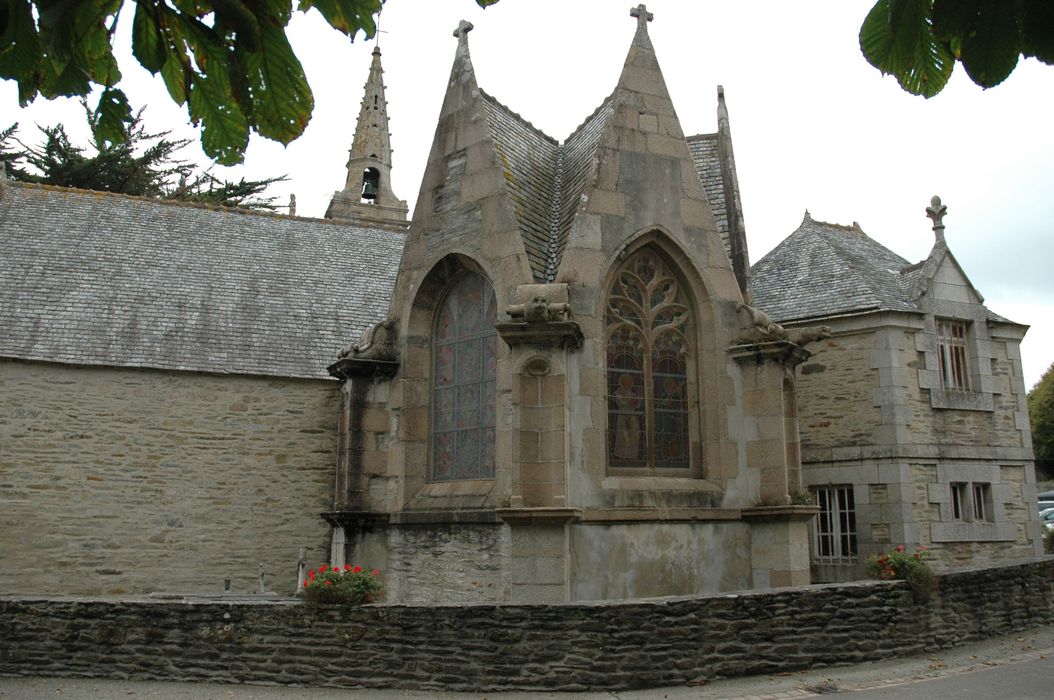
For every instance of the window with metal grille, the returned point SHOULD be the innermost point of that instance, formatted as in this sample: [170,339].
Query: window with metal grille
[648,353]
[951,348]
[463,389]
[959,501]
[834,529]
[982,502]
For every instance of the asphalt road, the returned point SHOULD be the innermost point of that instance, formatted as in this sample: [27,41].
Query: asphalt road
[1018,667]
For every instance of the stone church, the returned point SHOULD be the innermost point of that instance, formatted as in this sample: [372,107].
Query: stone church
[560,381]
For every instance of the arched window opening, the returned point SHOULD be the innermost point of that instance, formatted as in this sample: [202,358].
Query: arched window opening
[463,387]
[648,355]
[371,184]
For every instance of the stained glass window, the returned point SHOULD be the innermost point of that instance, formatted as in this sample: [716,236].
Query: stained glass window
[647,367]
[464,346]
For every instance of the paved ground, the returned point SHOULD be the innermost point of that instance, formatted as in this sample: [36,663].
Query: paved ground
[1027,653]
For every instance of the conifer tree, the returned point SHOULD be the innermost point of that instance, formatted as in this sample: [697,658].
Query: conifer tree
[143,164]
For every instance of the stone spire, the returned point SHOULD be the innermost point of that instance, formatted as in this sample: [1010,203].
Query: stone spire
[367,196]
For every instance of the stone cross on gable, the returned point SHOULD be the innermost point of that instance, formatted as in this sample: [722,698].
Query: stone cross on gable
[463,28]
[642,14]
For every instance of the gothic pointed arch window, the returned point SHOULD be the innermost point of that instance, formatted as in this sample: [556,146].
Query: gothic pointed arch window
[463,381]
[649,368]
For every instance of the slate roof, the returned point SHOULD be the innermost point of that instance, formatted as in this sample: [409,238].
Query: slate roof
[545,179]
[97,278]
[707,159]
[826,269]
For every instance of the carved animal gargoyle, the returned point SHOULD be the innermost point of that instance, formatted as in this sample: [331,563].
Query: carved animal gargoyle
[755,326]
[810,334]
[538,310]
[377,343]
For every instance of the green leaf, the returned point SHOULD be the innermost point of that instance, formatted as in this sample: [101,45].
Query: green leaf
[897,38]
[281,98]
[990,51]
[148,44]
[347,16]
[20,50]
[486,3]
[175,72]
[892,33]
[1035,21]
[225,130]
[112,115]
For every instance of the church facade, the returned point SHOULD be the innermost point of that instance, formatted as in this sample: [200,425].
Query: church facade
[567,386]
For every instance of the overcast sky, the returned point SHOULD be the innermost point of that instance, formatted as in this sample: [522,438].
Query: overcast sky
[814,126]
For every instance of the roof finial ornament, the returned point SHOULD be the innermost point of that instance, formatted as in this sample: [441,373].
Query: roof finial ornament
[463,28]
[642,15]
[936,211]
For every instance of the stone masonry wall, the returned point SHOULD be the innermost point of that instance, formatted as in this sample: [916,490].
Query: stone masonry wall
[666,641]
[125,481]
[835,389]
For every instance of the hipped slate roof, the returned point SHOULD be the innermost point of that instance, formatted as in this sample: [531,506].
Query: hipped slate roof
[826,269]
[97,278]
[545,179]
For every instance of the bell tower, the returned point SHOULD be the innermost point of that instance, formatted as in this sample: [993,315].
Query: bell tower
[367,196]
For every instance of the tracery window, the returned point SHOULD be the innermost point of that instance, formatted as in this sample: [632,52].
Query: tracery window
[463,388]
[648,353]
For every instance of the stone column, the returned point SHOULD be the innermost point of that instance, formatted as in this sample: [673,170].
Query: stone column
[779,529]
[540,336]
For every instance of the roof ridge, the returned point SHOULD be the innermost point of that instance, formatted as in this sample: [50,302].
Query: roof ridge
[181,203]
[584,122]
[491,98]
[554,216]
[700,137]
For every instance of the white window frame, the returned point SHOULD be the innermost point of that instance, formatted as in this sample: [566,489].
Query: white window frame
[834,528]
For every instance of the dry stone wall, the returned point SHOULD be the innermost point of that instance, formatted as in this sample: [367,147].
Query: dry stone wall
[667,641]
[126,481]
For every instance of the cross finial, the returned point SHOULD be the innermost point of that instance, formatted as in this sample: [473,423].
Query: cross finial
[936,211]
[642,15]
[463,28]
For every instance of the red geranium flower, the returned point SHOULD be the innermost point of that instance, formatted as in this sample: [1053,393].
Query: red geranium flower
[356,570]
[347,567]
[328,582]
[375,572]
[322,568]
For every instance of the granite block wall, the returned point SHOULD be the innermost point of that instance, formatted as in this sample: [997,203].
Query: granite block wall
[125,481]
[656,642]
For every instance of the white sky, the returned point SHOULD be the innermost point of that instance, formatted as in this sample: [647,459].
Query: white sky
[814,126]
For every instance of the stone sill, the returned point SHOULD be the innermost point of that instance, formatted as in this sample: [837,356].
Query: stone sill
[658,515]
[781,513]
[539,516]
[657,483]
[486,516]
[962,400]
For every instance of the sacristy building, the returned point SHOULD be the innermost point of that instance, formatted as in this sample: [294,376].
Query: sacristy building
[559,381]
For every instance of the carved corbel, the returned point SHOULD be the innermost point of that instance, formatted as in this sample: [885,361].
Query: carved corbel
[541,320]
[375,354]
